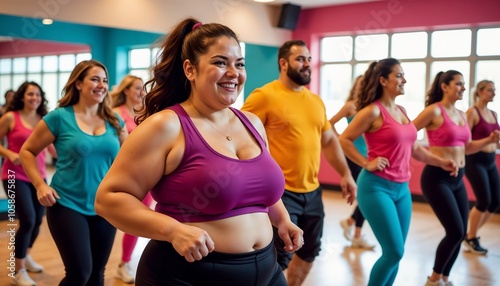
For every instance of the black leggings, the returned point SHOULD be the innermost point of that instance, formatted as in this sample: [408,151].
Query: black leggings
[160,264]
[356,215]
[84,243]
[448,198]
[29,212]
[482,173]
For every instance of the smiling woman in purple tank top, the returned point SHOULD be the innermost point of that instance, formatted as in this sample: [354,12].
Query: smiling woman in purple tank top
[217,188]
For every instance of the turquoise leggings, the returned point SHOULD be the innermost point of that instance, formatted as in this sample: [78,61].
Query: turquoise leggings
[387,207]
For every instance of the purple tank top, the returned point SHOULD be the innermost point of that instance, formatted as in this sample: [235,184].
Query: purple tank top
[15,140]
[449,133]
[209,186]
[393,141]
[483,129]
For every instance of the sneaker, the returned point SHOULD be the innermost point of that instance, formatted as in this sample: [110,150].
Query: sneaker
[435,283]
[22,279]
[32,266]
[348,229]
[125,273]
[473,246]
[361,243]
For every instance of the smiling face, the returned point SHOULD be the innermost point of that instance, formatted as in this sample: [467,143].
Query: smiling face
[394,84]
[32,98]
[455,89]
[220,73]
[487,93]
[135,92]
[94,86]
[298,65]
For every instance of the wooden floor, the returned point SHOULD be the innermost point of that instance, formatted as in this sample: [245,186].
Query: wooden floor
[337,265]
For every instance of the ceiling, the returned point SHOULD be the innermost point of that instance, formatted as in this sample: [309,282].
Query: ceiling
[316,3]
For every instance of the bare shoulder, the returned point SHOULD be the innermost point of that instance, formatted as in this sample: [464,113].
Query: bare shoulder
[369,112]
[161,126]
[254,119]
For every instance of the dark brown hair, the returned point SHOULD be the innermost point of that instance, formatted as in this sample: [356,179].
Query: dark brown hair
[435,92]
[371,89]
[18,103]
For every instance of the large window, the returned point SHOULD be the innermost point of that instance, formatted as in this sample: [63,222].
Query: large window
[51,72]
[141,61]
[473,52]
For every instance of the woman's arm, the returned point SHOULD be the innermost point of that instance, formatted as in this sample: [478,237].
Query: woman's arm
[40,138]
[347,110]
[6,123]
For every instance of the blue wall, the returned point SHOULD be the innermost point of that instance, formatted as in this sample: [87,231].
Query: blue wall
[110,46]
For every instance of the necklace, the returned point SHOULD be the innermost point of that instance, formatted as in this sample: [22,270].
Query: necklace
[228,137]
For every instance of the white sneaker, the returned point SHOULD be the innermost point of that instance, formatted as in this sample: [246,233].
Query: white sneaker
[435,283]
[32,266]
[348,229]
[125,273]
[22,279]
[361,243]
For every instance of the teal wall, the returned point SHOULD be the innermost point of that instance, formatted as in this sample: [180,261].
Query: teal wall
[110,46]
[261,63]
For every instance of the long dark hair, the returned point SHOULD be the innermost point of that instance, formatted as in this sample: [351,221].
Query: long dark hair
[169,84]
[371,89]
[18,103]
[435,92]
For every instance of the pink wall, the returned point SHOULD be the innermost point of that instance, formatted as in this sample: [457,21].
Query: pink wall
[389,16]
[20,48]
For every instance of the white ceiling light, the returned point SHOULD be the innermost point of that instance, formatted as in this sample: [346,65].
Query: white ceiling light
[47,21]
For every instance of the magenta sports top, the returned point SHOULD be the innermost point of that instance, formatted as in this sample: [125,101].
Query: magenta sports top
[209,186]
[393,141]
[449,134]
[129,121]
[15,140]
[483,129]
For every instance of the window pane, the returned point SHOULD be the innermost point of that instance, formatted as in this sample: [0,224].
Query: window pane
[464,68]
[409,45]
[50,63]
[371,47]
[36,77]
[63,78]
[140,58]
[17,80]
[35,64]
[142,73]
[360,69]
[52,94]
[336,49]
[83,57]
[489,70]
[335,84]
[66,62]
[5,66]
[5,85]
[488,42]
[455,43]
[414,98]
[19,65]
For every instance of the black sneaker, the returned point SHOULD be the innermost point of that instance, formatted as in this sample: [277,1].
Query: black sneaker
[474,246]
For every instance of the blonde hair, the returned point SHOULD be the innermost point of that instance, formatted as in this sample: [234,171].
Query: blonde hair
[117,94]
[480,86]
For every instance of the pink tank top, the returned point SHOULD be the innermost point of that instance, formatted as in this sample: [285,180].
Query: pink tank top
[15,140]
[449,133]
[129,121]
[483,129]
[209,186]
[393,141]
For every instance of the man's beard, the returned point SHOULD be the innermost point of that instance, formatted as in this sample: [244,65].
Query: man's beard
[298,78]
